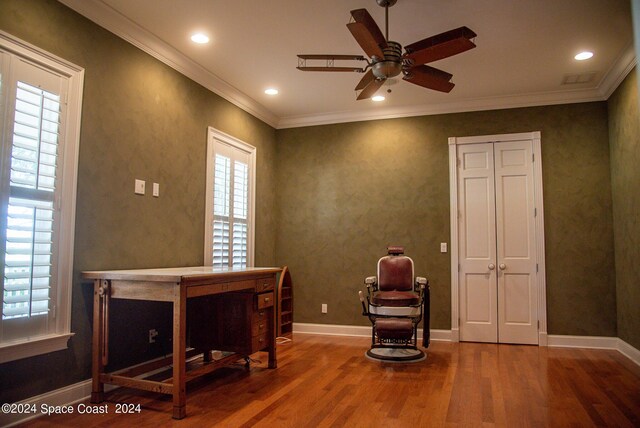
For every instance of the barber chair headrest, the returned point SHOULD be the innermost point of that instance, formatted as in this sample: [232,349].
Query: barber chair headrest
[395,250]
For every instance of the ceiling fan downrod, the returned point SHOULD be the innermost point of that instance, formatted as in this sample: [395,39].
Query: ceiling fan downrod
[386,4]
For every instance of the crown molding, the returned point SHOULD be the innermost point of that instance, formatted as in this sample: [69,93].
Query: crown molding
[123,27]
[618,71]
[110,19]
[478,104]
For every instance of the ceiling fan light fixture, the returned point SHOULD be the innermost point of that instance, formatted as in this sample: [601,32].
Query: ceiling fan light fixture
[199,38]
[271,91]
[583,55]
[378,98]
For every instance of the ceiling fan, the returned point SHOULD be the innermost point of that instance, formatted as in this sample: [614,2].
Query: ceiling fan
[386,57]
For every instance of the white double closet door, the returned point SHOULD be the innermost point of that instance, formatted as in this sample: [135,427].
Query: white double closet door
[496,243]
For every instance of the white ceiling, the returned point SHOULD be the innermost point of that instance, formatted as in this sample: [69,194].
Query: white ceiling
[525,49]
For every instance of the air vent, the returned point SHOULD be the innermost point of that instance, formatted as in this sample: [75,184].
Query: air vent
[574,79]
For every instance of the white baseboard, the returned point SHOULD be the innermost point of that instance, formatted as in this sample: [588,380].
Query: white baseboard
[594,342]
[357,331]
[332,329]
[629,351]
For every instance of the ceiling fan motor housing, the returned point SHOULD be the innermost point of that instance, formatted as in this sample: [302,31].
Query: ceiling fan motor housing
[391,66]
[386,3]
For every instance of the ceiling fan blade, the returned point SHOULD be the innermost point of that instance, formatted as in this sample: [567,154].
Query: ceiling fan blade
[366,79]
[338,69]
[331,57]
[367,33]
[429,77]
[440,46]
[370,89]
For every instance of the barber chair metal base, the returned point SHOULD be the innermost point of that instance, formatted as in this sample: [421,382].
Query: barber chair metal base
[396,355]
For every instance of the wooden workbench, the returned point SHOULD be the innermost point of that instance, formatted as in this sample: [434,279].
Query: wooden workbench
[214,292]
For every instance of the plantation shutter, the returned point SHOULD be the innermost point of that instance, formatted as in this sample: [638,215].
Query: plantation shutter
[240,211]
[221,201]
[230,208]
[30,212]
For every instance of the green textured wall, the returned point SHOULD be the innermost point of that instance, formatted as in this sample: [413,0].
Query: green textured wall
[624,134]
[140,119]
[346,191]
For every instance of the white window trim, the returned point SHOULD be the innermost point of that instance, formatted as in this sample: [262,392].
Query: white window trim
[53,342]
[214,135]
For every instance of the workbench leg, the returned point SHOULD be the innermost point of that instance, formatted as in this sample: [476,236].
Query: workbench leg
[97,387]
[273,363]
[179,348]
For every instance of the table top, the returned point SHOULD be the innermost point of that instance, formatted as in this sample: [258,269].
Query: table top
[177,274]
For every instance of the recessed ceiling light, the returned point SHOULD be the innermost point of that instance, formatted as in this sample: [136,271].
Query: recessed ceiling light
[378,98]
[583,55]
[199,38]
[271,91]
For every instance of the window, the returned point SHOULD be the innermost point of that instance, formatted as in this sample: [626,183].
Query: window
[230,201]
[40,105]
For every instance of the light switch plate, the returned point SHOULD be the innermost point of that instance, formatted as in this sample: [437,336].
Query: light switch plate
[443,247]
[139,188]
[156,189]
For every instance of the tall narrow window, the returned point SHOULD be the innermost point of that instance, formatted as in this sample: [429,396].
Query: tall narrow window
[38,167]
[230,200]
[30,214]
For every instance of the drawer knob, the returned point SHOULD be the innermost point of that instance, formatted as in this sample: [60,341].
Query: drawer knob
[260,327]
[267,299]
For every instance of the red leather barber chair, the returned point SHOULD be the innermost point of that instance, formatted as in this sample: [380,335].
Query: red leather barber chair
[395,305]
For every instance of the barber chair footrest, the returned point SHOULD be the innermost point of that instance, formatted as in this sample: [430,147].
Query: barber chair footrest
[394,328]
[396,355]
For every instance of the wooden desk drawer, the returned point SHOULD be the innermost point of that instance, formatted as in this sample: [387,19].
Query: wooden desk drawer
[261,316]
[265,300]
[259,342]
[260,327]
[265,284]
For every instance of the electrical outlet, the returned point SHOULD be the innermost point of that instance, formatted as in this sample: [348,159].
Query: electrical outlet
[324,308]
[153,333]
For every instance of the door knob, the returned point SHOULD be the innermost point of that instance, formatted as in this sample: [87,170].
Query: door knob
[502,266]
[491,266]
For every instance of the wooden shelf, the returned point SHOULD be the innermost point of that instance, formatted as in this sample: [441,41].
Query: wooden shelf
[285,304]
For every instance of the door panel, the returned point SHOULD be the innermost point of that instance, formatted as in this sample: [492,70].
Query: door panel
[479,242]
[514,225]
[517,299]
[517,305]
[478,294]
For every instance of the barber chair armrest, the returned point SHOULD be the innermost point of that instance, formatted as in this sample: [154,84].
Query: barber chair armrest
[372,284]
[421,284]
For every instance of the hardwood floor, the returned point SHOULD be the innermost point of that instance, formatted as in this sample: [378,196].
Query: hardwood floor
[327,381]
